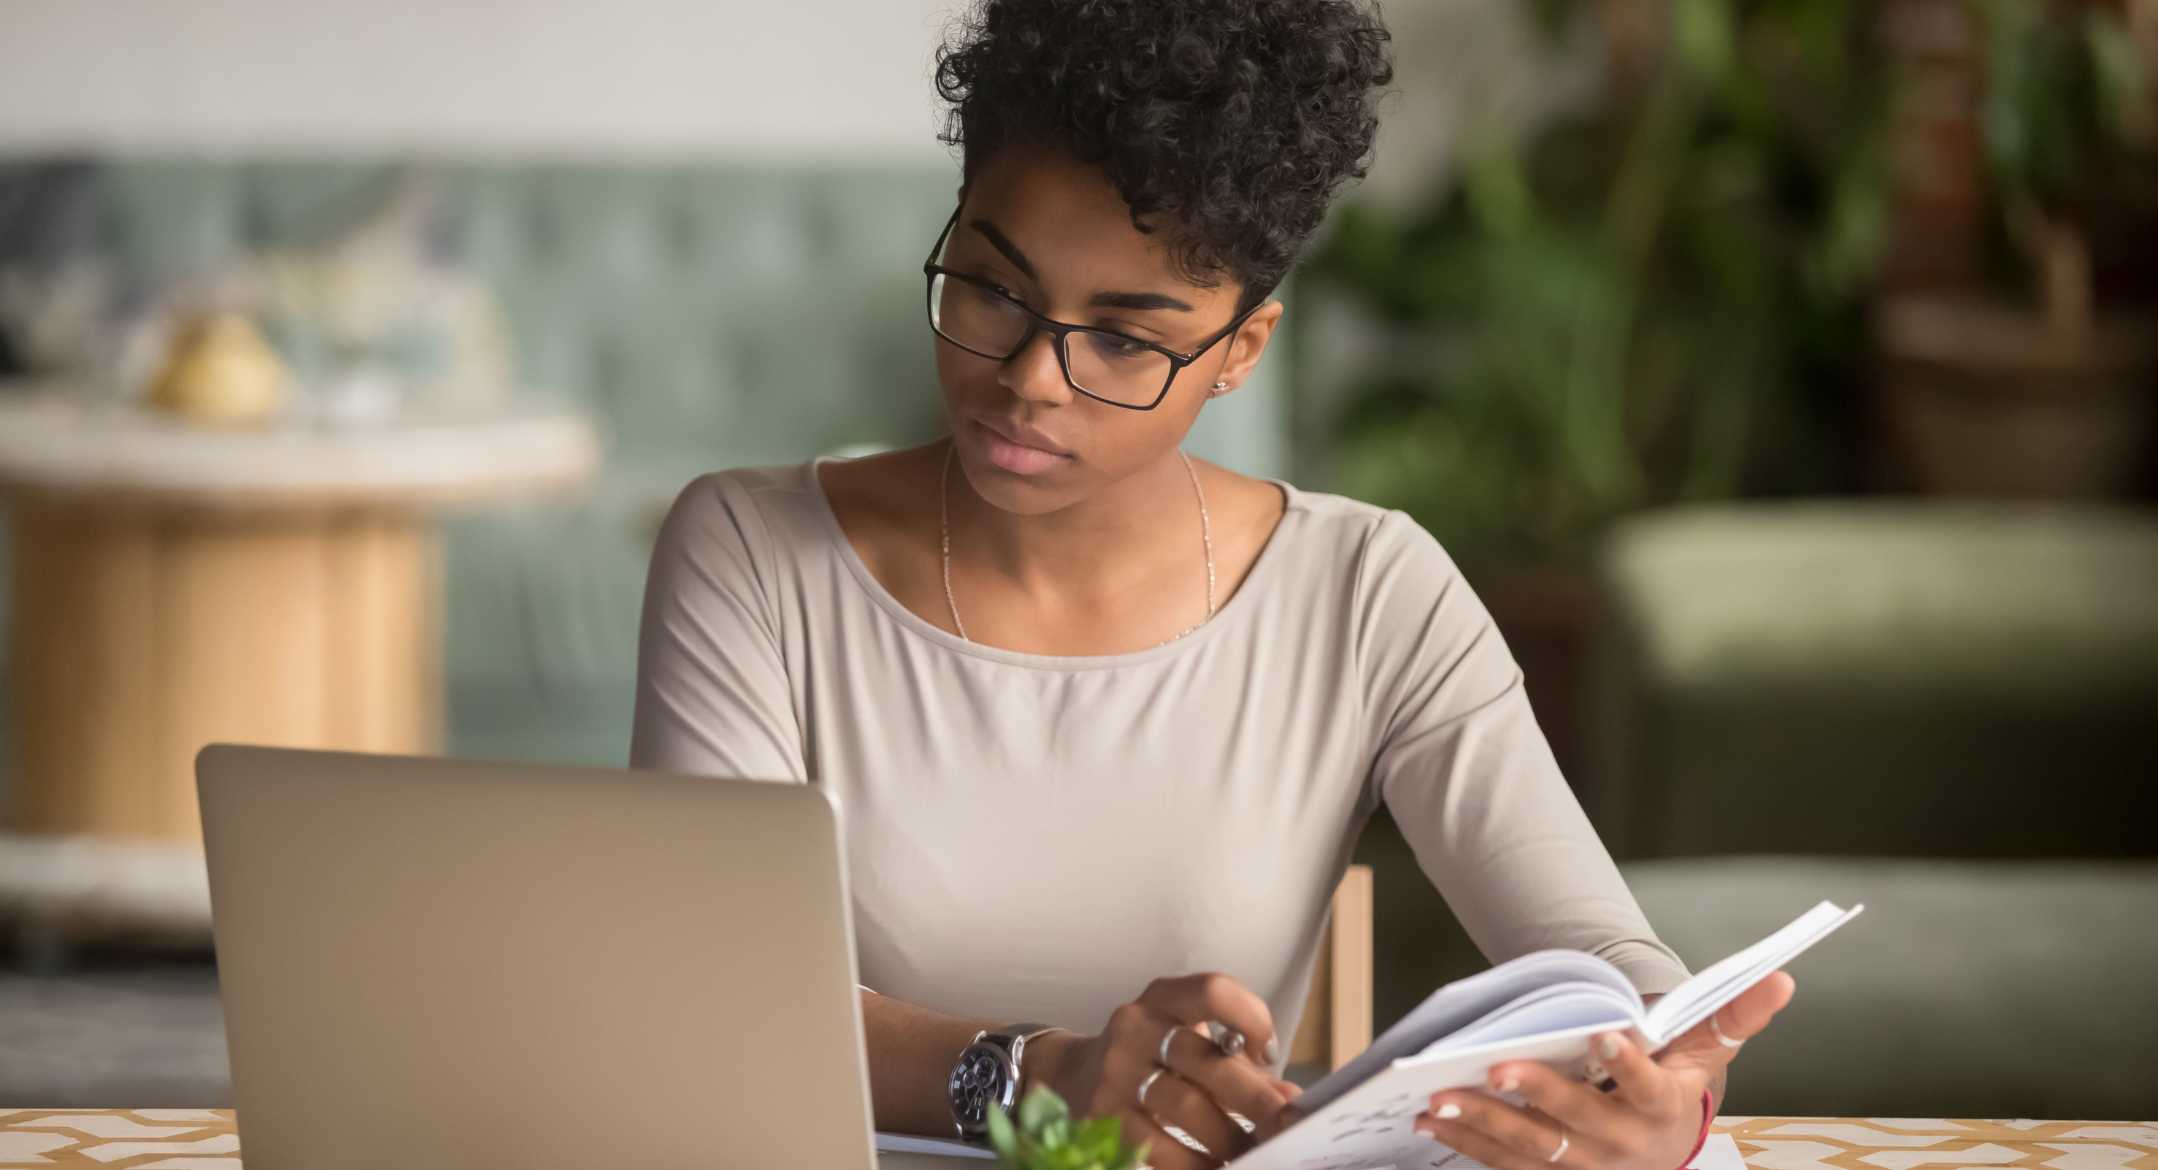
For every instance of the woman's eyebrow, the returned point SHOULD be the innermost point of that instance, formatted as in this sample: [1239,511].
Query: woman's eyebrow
[1137,301]
[1001,243]
[1134,301]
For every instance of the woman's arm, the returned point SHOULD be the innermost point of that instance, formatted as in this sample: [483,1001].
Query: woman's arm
[1115,1072]
[1458,758]
[1460,761]
[911,1053]
[713,698]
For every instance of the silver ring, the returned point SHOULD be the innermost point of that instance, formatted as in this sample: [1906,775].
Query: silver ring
[1148,1083]
[1161,1055]
[1565,1143]
[1722,1039]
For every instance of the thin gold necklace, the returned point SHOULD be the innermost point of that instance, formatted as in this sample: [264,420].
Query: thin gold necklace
[944,524]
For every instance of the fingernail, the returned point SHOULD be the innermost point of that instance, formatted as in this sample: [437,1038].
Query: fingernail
[1608,1045]
[1509,1082]
[1449,1111]
[1273,1050]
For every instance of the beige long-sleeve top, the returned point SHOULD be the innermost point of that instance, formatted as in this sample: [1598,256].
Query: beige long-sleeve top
[1035,838]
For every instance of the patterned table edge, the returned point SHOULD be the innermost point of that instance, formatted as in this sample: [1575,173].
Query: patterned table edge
[208,1139]
[1911,1143]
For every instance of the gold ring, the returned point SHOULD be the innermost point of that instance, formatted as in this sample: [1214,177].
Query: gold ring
[1564,1144]
[1148,1083]
[1722,1039]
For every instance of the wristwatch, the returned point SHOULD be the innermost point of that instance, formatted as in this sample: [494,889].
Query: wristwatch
[987,1076]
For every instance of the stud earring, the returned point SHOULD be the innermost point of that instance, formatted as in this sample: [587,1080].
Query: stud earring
[1220,386]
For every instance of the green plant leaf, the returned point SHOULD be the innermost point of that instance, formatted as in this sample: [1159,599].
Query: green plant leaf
[1706,36]
[1002,1138]
[1041,1108]
[1049,1138]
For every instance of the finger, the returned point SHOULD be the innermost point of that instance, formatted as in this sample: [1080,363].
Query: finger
[1740,1020]
[1162,1151]
[1196,999]
[1488,1150]
[1175,1101]
[1511,1129]
[1290,1114]
[1644,1084]
[1605,1117]
[1134,1035]
[1234,1083]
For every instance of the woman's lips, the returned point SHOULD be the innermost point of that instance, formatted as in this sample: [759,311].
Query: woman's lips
[1016,457]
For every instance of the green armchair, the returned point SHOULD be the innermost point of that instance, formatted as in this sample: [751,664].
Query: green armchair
[1940,710]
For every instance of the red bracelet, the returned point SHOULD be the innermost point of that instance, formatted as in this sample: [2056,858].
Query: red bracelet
[1708,1114]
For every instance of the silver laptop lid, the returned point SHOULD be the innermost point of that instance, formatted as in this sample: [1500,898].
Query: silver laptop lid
[442,963]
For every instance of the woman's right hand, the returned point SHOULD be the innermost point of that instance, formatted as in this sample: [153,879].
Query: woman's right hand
[1100,1076]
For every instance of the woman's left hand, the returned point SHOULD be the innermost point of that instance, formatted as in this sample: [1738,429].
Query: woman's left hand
[1649,1122]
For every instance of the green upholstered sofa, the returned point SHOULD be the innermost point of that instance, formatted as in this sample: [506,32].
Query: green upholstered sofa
[1945,679]
[1942,710]
[709,314]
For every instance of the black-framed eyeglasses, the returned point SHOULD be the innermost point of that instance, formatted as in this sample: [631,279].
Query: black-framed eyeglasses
[1102,364]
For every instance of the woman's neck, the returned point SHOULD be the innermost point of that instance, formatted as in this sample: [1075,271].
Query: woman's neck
[1100,546]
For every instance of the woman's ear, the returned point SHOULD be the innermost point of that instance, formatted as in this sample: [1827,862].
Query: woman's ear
[1245,346]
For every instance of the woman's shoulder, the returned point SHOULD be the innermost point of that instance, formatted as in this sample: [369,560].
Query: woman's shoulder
[784,514]
[1369,540]
[747,512]
[735,488]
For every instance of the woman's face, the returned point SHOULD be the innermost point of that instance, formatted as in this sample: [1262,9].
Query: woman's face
[1056,236]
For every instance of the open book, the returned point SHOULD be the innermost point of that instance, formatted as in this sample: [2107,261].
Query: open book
[1545,1006]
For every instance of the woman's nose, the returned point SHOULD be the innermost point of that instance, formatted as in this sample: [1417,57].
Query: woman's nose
[1033,373]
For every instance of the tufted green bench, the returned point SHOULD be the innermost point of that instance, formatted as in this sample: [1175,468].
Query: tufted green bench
[711,314]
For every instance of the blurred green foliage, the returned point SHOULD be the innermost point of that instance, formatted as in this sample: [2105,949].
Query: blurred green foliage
[2069,119]
[1655,298]
[2063,96]
[1047,1138]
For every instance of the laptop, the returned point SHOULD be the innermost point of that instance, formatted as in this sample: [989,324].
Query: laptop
[431,962]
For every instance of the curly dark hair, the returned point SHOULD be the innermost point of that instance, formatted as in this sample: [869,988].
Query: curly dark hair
[1229,123]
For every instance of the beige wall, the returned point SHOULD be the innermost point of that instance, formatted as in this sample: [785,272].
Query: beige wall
[794,78]
[842,77]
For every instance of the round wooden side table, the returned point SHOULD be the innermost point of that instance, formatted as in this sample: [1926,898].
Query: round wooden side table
[174,586]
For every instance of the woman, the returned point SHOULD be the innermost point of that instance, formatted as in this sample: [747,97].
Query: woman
[1105,720]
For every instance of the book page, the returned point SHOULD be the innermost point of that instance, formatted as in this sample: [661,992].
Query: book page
[1564,1007]
[1366,1122]
[1461,1003]
[1699,997]
[1719,1153]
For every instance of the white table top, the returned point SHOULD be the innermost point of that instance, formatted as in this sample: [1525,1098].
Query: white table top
[50,445]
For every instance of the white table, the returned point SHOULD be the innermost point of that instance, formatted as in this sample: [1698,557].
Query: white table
[174,586]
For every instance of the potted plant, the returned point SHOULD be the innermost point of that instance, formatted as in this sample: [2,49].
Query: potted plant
[1657,297]
[2043,380]
[1046,1138]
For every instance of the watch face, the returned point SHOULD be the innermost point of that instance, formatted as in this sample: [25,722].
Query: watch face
[982,1078]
